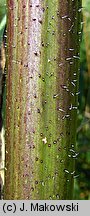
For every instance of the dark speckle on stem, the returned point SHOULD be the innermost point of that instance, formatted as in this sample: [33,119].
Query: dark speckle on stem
[40,21]
[24,6]
[43,9]
[38,110]
[34,19]
[42,43]
[35,53]
[39,75]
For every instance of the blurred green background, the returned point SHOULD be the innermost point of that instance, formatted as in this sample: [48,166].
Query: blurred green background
[82,182]
[2,18]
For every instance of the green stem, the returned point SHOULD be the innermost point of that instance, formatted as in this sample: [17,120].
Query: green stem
[41,99]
